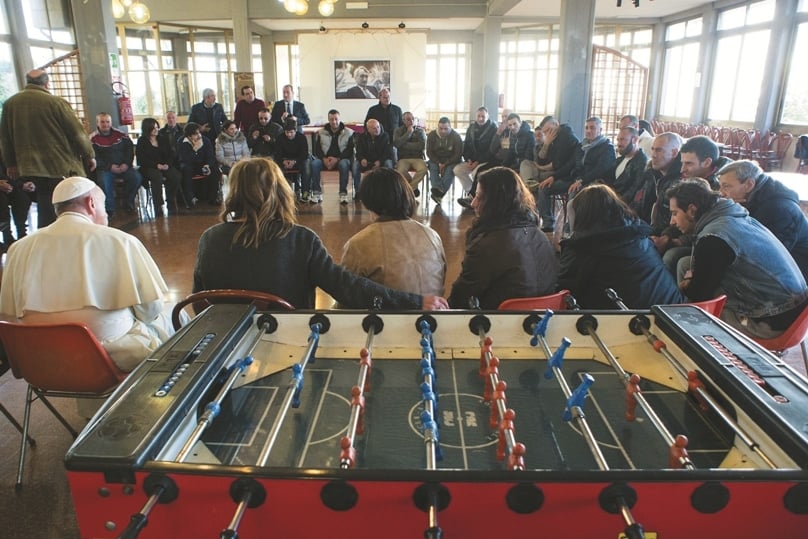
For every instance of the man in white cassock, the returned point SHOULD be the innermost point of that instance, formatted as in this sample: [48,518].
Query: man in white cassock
[80,270]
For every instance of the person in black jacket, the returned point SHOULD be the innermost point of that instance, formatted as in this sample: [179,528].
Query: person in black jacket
[156,162]
[292,155]
[477,153]
[610,248]
[373,150]
[627,174]
[597,156]
[507,256]
[200,172]
[560,149]
[262,135]
[773,204]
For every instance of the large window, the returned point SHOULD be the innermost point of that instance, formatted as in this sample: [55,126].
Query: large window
[8,80]
[633,42]
[143,68]
[449,64]
[287,67]
[743,42]
[680,76]
[795,101]
[49,29]
[528,71]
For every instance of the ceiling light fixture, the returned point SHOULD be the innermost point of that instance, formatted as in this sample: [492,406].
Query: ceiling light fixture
[301,7]
[365,25]
[138,11]
[401,25]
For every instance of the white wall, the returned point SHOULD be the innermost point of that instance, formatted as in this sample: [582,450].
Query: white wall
[407,55]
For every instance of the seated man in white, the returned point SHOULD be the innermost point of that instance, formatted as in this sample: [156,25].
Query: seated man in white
[80,270]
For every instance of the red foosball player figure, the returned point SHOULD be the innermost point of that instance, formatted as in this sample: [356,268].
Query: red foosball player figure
[516,460]
[678,453]
[364,359]
[357,399]
[347,454]
[484,350]
[499,395]
[632,388]
[505,425]
[694,383]
[491,371]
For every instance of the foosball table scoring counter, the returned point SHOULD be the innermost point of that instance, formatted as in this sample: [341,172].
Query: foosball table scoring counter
[461,424]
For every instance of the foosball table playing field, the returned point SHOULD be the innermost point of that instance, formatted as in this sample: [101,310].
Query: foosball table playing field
[456,424]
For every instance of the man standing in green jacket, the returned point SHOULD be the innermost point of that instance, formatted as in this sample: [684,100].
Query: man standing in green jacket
[43,141]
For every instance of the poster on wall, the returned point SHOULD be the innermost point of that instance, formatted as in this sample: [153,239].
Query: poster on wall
[360,79]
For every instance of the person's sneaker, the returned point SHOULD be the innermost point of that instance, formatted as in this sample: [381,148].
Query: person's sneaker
[304,197]
[436,195]
[316,197]
[465,202]
[343,198]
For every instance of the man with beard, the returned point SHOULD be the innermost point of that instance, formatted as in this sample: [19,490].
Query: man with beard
[477,153]
[734,254]
[626,177]
[262,136]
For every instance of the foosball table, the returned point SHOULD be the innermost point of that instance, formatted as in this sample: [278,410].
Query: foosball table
[459,424]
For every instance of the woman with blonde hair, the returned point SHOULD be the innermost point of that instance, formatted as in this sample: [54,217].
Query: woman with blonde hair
[507,255]
[259,246]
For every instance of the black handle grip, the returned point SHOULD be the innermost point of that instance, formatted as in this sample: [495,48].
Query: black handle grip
[137,522]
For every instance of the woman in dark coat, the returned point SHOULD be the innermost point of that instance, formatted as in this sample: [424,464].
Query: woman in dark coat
[507,255]
[155,161]
[610,248]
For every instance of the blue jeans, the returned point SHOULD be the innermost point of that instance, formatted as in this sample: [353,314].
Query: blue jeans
[131,183]
[444,181]
[357,175]
[317,166]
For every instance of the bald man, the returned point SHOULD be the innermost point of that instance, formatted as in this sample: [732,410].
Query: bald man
[43,141]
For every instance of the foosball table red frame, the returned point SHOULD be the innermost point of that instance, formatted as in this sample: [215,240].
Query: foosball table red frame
[127,478]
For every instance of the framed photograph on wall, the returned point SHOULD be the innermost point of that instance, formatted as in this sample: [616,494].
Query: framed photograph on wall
[360,79]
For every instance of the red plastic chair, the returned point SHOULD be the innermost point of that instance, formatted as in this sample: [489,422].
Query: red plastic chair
[205,298]
[57,360]
[791,337]
[556,301]
[713,306]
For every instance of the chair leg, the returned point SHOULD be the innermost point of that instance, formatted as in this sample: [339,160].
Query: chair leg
[804,356]
[25,421]
[16,424]
[58,416]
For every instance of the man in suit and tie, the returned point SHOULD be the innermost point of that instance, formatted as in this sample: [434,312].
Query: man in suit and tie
[289,108]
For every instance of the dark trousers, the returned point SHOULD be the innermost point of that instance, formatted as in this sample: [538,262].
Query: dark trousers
[20,202]
[155,179]
[44,199]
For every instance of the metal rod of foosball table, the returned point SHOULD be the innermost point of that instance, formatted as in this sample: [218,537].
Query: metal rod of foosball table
[231,532]
[139,520]
[314,339]
[660,346]
[213,408]
[577,412]
[638,395]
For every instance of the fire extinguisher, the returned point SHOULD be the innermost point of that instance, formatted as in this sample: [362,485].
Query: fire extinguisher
[124,105]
